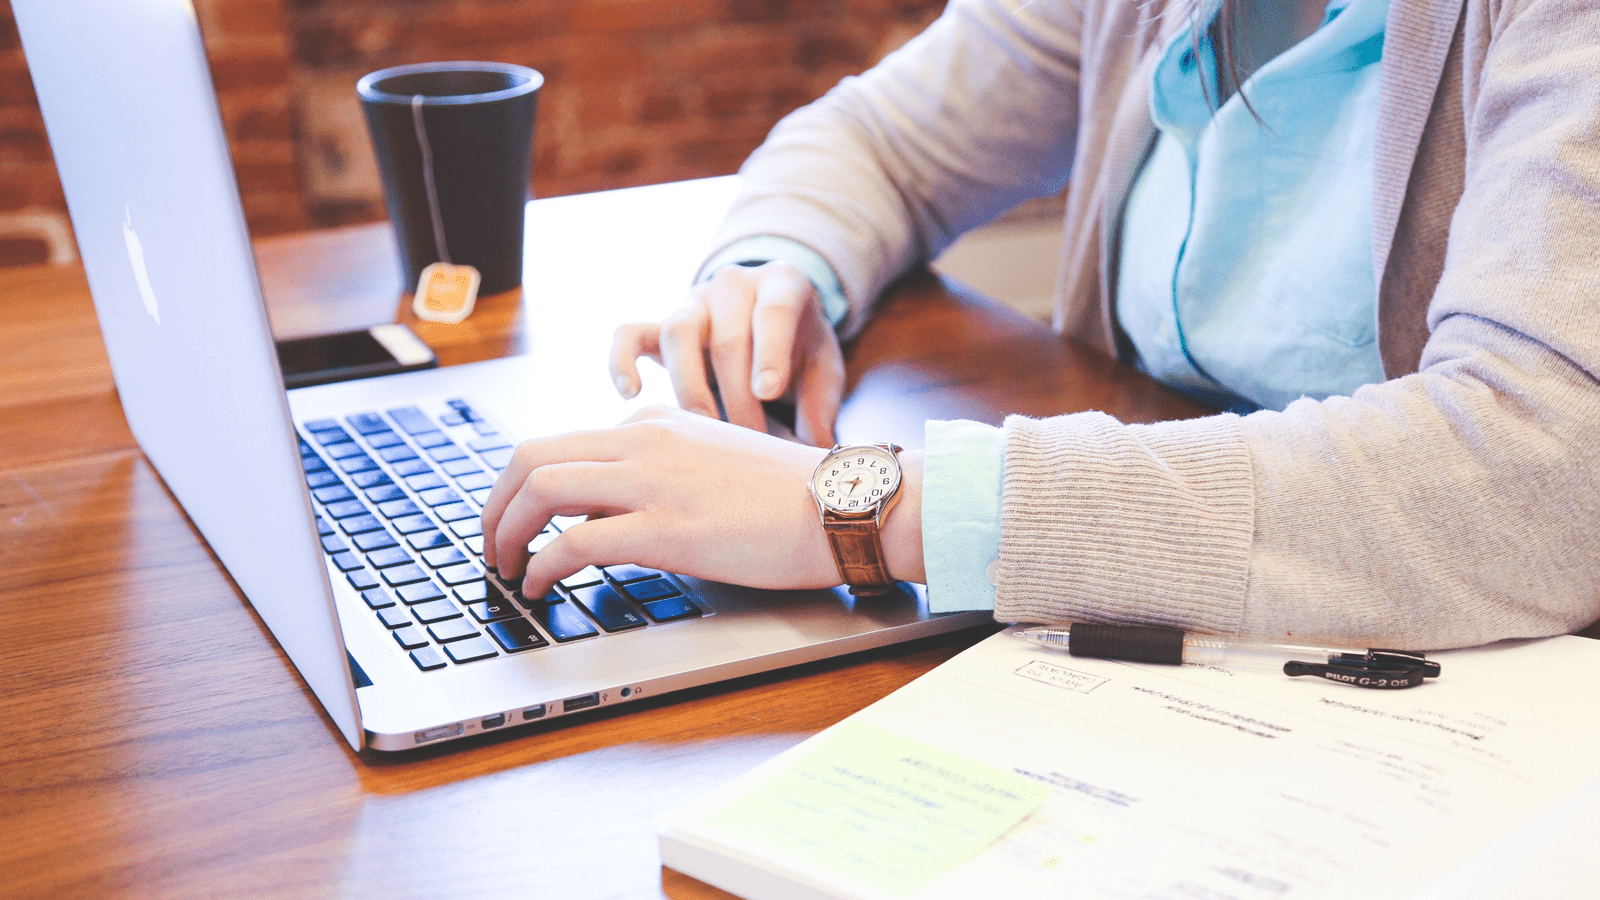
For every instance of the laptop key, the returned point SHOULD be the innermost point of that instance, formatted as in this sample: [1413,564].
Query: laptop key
[332,493]
[563,622]
[446,453]
[332,544]
[393,617]
[347,561]
[361,579]
[582,578]
[344,509]
[324,527]
[669,609]
[388,556]
[427,481]
[406,574]
[321,424]
[475,544]
[498,458]
[384,493]
[473,591]
[516,635]
[628,572]
[549,599]
[358,524]
[427,659]
[397,453]
[455,512]
[436,611]
[609,608]
[370,479]
[650,589]
[461,574]
[465,528]
[413,420]
[439,496]
[396,509]
[470,650]
[458,467]
[321,478]
[410,637]
[494,609]
[312,463]
[354,464]
[488,442]
[421,592]
[374,540]
[343,451]
[452,630]
[443,556]
[473,481]
[367,423]
[413,524]
[377,598]
[427,540]
[327,436]
[432,438]
[385,438]
[409,467]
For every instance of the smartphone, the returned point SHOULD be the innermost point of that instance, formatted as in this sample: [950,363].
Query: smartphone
[363,353]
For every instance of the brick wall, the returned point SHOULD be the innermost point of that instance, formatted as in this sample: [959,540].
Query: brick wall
[637,92]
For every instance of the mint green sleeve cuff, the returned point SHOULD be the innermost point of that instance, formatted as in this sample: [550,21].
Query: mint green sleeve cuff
[963,472]
[766,248]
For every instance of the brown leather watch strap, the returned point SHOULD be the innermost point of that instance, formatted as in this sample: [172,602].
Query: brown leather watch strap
[858,551]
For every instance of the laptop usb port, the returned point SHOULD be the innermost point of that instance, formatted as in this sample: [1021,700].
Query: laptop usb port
[573,704]
[434,734]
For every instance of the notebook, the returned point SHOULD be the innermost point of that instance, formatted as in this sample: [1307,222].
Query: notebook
[347,513]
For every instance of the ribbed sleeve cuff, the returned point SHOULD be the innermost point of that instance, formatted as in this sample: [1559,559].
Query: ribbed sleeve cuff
[1110,522]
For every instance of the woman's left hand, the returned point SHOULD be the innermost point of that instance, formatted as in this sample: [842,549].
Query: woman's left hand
[668,490]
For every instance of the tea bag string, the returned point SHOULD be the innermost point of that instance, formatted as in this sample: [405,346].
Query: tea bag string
[427,179]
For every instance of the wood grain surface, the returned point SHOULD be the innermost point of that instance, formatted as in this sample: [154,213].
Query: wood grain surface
[158,743]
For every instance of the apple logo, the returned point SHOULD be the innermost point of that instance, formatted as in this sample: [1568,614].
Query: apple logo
[141,275]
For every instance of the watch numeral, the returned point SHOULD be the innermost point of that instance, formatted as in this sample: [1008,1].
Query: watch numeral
[876,492]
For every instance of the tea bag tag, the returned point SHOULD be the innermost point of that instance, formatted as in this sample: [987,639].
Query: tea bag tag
[446,293]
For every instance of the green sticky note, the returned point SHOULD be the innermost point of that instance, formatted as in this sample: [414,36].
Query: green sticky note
[884,810]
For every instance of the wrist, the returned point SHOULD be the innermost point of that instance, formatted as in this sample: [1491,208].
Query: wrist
[902,528]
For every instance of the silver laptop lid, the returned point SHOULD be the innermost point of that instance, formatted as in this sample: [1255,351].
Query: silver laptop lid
[132,118]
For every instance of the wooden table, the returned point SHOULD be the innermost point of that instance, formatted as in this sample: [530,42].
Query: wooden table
[160,745]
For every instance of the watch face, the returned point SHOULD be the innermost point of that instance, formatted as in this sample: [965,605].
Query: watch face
[856,479]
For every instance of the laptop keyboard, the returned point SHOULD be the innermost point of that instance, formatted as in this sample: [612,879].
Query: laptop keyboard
[398,495]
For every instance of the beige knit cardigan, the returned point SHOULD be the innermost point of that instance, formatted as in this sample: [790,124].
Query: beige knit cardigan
[1455,504]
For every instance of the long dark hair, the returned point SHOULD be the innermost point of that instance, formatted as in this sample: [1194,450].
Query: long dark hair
[1222,32]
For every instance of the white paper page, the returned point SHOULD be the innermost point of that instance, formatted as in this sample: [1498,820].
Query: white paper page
[1195,782]
[1191,782]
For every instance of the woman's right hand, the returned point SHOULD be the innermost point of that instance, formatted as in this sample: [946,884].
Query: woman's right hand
[752,334]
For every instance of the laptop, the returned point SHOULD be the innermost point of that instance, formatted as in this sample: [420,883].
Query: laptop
[347,513]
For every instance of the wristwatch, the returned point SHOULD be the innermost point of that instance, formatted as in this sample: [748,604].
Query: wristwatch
[855,486]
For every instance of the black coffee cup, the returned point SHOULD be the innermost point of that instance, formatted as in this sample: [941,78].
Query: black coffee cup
[455,151]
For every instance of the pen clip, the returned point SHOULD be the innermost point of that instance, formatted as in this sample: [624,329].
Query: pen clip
[1376,669]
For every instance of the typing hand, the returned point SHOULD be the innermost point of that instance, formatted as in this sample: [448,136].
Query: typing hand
[756,334]
[667,490]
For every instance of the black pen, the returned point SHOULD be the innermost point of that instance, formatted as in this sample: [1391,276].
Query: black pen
[1381,669]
